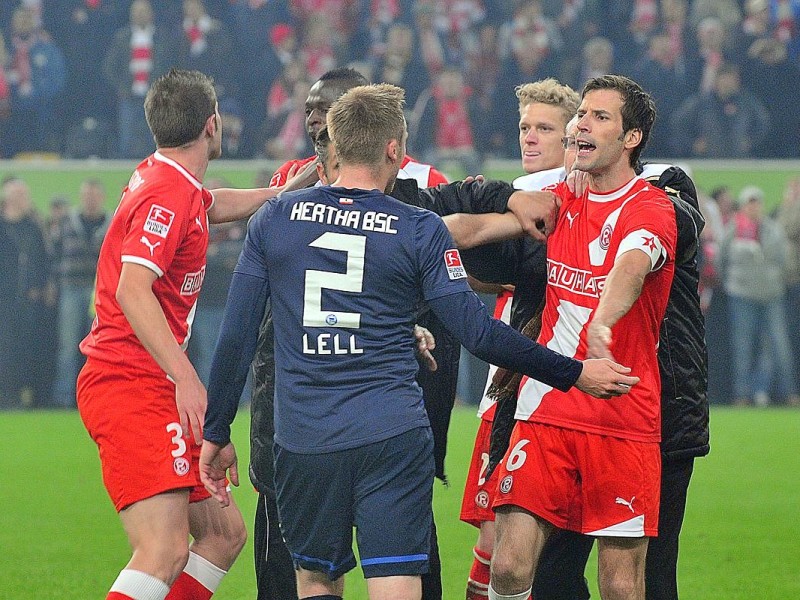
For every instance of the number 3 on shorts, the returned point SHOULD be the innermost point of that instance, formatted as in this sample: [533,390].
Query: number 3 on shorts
[177,439]
[517,456]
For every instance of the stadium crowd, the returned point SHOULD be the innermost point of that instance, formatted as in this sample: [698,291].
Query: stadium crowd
[73,73]
[751,260]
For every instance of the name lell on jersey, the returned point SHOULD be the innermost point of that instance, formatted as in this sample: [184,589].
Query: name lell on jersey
[355,219]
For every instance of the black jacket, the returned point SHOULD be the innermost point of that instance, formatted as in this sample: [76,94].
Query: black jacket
[438,388]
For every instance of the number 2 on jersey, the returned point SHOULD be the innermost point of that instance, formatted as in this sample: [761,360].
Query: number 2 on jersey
[350,281]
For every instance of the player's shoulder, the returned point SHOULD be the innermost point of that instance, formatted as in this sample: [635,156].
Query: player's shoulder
[533,182]
[425,175]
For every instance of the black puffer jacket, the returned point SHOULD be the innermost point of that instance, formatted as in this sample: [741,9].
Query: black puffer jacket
[438,388]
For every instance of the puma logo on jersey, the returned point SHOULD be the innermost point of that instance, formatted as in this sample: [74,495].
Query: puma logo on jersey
[199,223]
[151,247]
[571,218]
[626,503]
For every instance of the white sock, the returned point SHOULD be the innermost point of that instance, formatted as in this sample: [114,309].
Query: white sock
[140,586]
[204,571]
[521,596]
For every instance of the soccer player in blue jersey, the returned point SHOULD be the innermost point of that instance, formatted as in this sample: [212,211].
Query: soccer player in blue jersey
[346,268]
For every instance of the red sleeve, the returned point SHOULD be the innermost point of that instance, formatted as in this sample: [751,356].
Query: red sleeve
[279,176]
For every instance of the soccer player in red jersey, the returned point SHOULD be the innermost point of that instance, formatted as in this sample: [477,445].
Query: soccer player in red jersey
[138,395]
[573,462]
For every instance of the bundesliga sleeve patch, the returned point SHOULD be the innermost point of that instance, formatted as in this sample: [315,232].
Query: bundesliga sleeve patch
[455,269]
[647,242]
[159,220]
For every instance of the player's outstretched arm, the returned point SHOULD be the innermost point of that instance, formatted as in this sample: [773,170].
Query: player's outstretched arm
[497,343]
[217,463]
[469,231]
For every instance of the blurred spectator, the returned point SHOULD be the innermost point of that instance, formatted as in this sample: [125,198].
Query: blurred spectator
[283,38]
[752,259]
[534,40]
[483,74]
[730,122]
[773,79]
[789,218]
[37,77]
[24,380]
[446,130]
[728,12]
[9,265]
[430,44]
[206,46]
[598,60]
[291,139]
[376,18]
[76,245]
[400,64]
[662,73]
[139,53]
[718,209]
[317,48]
[82,28]
[709,55]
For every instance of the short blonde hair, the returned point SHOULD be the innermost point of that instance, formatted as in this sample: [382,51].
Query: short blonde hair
[549,91]
[364,120]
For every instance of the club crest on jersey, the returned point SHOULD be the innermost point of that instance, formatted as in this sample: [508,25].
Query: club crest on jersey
[455,269]
[159,220]
[482,499]
[181,466]
[506,483]
[605,236]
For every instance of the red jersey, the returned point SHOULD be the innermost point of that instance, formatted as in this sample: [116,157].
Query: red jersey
[590,234]
[426,175]
[161,223]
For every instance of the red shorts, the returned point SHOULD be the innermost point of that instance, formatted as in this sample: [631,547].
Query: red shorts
[593,484]
[132,417]
[476,506]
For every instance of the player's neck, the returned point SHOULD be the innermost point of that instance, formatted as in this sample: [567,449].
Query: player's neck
[611,179]
[362,177]
[192,158]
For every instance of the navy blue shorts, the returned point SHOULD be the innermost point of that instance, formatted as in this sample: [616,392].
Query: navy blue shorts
[384,490]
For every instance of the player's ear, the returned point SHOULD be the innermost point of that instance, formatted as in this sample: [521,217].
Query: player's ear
[393,151]
[633,138]
[321,174]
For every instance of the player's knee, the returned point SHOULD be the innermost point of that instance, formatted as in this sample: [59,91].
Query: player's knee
[509,572]
[619,585]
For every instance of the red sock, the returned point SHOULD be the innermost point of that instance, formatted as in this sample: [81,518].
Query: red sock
[187,587]
[478,581]
[198,581]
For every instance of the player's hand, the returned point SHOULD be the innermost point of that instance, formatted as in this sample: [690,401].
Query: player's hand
[217,464]
[470,179]
[578,182]
[603,378]
[302,177]
[425,343]
[598,339]
[536,211]
[191,400]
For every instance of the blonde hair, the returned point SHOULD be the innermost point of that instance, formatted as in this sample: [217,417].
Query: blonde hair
[364,120]
[549,91]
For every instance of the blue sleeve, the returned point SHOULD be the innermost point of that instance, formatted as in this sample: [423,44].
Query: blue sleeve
[495,342]
[439,260]
[236,346]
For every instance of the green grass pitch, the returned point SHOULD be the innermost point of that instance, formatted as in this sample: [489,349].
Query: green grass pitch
[61,539]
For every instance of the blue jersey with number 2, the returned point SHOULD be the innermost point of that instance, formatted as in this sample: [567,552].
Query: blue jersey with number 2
[346,272]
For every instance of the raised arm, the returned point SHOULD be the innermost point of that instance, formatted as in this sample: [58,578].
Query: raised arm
[469,231]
